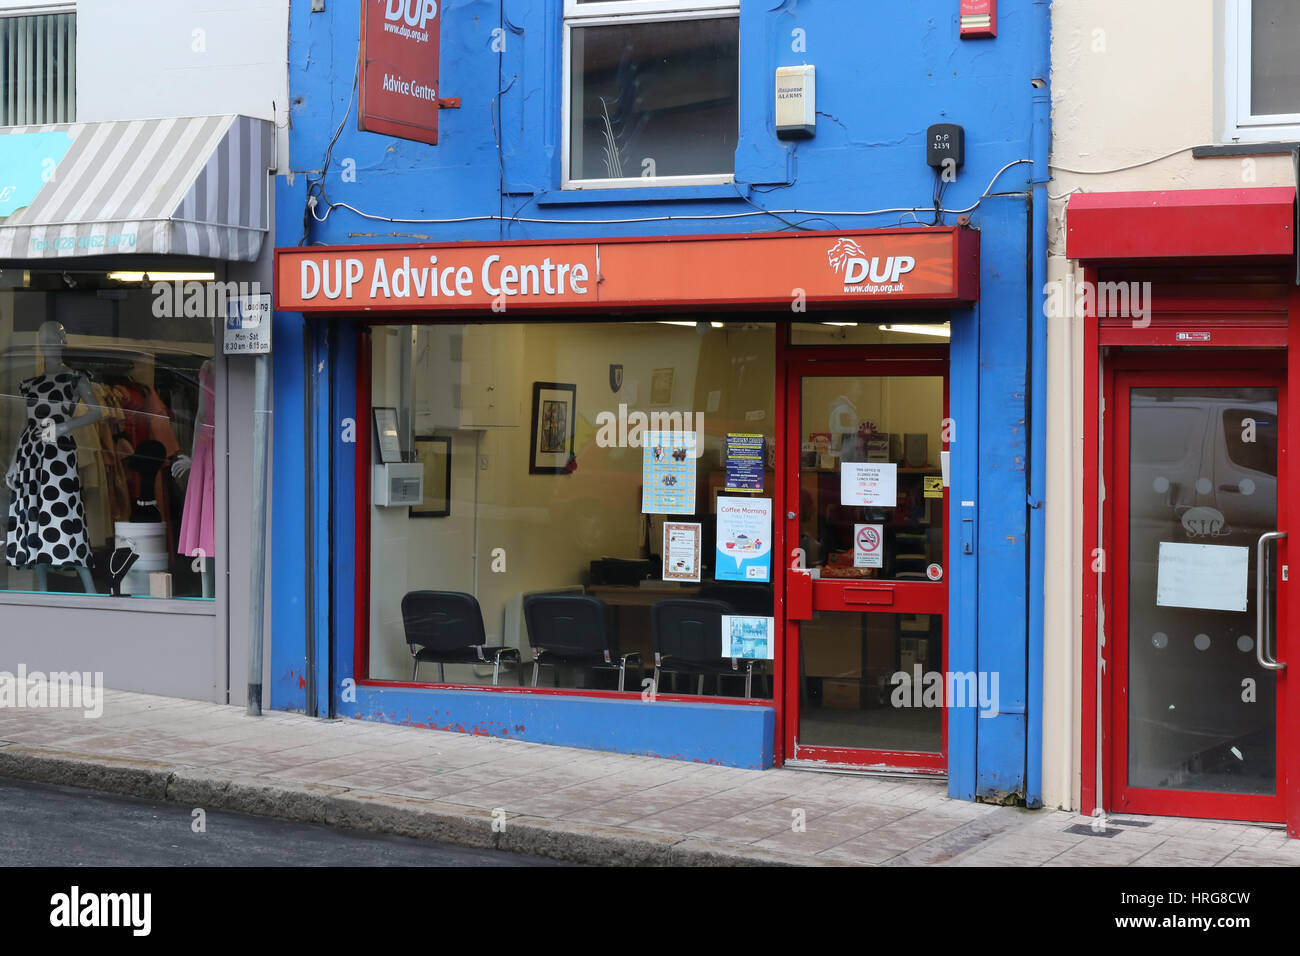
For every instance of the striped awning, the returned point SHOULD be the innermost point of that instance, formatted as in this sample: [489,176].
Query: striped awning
[195,186]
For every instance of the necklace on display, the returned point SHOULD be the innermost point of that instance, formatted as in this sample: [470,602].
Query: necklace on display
[126,563]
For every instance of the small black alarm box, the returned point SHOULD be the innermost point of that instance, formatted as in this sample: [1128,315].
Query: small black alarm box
[945,141]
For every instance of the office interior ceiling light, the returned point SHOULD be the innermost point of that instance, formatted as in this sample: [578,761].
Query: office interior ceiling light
[939,331]
[162,276]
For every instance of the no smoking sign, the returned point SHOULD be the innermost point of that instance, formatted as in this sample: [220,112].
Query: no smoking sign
[868,545]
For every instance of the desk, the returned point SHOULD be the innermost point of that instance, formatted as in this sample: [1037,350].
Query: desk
[628,614]
[627,595]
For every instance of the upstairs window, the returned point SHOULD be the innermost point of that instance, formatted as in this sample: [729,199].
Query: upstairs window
[1263,70]
[652,91]
[38,72]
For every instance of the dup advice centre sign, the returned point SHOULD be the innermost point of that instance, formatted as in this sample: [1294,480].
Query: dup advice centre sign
[399,69]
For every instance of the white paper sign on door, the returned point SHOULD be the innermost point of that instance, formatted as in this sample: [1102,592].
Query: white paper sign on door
[1213,577]
[871,483]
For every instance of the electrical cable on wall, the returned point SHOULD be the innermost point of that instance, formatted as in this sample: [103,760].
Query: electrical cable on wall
[698,217]
[316,187]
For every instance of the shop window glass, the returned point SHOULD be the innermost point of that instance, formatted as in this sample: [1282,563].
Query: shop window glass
[530,441]
[106,430]
[653,96]
[1250,438]
[913,327]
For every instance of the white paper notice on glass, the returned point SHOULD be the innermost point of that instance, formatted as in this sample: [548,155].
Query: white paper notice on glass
[1213,577]
[871,483]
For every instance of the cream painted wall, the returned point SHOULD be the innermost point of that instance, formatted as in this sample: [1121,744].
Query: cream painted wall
[1133,85]
[552,526]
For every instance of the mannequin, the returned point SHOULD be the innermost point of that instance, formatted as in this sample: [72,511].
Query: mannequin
[196,539]
[46,525]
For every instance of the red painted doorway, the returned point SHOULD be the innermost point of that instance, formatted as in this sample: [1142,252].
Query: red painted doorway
[866,594]
[1198,457]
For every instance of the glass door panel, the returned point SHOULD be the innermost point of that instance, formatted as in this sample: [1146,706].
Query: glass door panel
[869,505]
[1197,706]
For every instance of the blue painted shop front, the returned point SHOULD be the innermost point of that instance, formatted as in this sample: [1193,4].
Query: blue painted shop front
[884,75]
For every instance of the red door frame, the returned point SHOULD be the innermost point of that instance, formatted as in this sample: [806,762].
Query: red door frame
[1140,370]
[837,595]
[1103,353]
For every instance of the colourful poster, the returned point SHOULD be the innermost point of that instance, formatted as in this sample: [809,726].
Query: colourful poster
[682,551]
[668,473]
[744,540]
[744,463]
[749,638]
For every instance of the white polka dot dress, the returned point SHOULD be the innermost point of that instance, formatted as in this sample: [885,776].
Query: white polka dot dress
[47,524]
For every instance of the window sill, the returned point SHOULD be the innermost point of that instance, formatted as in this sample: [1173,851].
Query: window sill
[643,194]
[199,607]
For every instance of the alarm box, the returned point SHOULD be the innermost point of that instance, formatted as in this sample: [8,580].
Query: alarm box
[399,484]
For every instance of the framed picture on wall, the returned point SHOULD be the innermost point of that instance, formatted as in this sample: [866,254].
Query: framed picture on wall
[555,408]
[661,386]
[387,439]
[434,452]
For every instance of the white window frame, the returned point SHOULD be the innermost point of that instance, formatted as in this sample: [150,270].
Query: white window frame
[27,8]
[628,12]
[1239,123]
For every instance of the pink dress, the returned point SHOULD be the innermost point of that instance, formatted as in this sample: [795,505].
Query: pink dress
[197,539]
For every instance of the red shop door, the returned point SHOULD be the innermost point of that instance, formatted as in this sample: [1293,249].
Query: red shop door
[866,594]
[1197,534]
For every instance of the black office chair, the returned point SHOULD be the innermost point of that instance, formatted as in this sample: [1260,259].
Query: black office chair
[446,627]
[688,640]
[752,600]
[569,630]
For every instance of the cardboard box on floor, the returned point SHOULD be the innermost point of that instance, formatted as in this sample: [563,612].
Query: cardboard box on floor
[830,651]
[842,694]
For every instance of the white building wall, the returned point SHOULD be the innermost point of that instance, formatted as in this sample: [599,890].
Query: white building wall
[145,59]
[1135,85]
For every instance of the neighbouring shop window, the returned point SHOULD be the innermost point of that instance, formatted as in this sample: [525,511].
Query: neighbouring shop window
[533,444]
[652,91]
[1263,74]
[38,69]
[106,435]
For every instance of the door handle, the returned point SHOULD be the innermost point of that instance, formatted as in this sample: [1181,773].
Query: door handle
[1261,605]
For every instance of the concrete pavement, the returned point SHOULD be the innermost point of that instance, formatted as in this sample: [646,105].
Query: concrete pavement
[577,805]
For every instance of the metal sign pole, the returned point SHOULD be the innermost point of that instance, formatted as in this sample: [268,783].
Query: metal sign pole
[257,560]
[248,332]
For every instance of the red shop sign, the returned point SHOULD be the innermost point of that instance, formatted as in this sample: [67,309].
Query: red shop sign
[399,69]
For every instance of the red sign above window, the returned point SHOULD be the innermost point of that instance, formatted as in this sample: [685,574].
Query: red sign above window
[399,69]
[856,269]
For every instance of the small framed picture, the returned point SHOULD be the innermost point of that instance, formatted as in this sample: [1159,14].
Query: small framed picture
[387,439]
[661,386]
[555,408]
[434,452]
